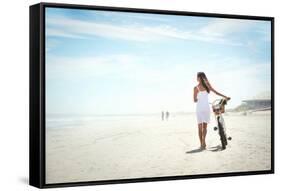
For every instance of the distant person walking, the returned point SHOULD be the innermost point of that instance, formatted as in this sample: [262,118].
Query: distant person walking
[200,97]
[167,115]
[162,115]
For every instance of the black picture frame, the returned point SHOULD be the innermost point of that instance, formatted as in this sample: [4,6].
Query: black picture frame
[37,94]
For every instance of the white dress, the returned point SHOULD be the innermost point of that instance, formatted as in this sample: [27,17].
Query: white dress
[202,107]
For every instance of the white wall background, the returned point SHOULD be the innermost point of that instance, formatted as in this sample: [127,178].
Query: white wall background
[14,26]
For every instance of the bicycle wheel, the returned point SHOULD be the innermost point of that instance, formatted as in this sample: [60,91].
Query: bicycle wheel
[222,134]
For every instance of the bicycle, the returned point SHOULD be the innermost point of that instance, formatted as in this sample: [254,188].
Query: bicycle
[218,107]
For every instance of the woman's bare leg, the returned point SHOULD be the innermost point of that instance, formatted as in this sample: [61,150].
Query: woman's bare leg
[204,133]
[200,126]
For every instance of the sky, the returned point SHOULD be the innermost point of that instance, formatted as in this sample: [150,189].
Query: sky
[101,62]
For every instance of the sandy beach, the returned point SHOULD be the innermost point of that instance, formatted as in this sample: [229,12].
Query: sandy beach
[121,147]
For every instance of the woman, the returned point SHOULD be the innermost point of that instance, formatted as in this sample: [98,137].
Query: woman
[200,96]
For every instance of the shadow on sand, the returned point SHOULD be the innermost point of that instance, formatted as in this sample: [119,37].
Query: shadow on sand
[194,151]
[23,180]
[215,148]
[212,149]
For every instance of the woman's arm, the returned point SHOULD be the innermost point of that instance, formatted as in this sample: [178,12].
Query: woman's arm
[195,91]
[216,92]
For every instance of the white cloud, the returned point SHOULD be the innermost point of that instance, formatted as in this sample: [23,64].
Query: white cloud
[215,32]
[116,16]
[221,27]
[62,33]
[51,43]
[66,27]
